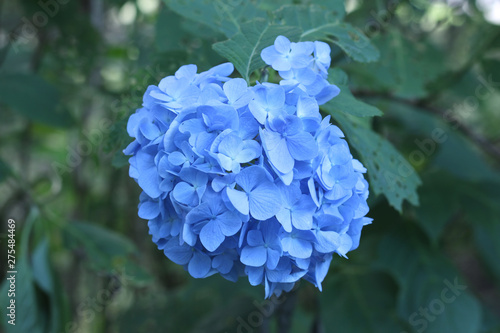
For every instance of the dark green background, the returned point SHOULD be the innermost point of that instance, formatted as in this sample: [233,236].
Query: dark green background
[420,100]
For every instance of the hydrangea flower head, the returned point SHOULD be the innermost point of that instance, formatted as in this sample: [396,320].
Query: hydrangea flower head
[249,180]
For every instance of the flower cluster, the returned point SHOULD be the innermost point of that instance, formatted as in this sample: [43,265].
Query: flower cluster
[248,181]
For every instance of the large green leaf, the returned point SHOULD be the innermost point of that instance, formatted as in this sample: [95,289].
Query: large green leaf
[437,143]
[225,16]
[243,50]
[345,101]
[437,204]
[404,69]
[103,247]
[432,296]
[389,173]
[437,290]
[486,236]
[33,97]
[27,312]
[320,24]
[28,315]
[4,171]
[360,303]
[45,279]
[108,251]
[167,35]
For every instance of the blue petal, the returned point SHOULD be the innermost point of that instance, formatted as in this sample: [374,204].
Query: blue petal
[282,44]
[184,193]
[211,236]
[297,247]
[250,150]
[148,129]
[200,265]
[229,223]
[253,256]
[254,238]
[327,94]
[149,210]
[199,214]
[250,177]
[265,201]
[345,245]
[180,254]
[148,180]
[231,145]
[177,158]
[273,257]
[284,217]
[239,200]
[223,263]
[327,241]
[188,235]
[302,146]
[255,275]
[302,213]
[275,97]
[276,149]
[258,111]
[321,270]
[269,55]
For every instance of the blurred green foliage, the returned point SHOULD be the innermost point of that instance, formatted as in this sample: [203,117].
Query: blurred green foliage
[420,89]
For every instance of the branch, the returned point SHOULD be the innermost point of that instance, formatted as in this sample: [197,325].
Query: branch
[481,141]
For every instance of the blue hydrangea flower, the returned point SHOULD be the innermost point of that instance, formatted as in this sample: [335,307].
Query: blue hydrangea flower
[245,180]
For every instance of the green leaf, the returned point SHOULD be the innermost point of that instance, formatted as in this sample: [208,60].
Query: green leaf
[448,307]
[27,312]
[486,237]
[360,303]
[243,50]
[337,7]
[491,68]
[397,255]
[432,296]
[320,24]
[167,35]
[41,266]
[225,16]
[46,281]
[345,101]
[28,317]
[435,140]
[389,173]
[404,69]
[437,204]
[105,249]
[33,97]
[5,171]
[119,160]
[491,322]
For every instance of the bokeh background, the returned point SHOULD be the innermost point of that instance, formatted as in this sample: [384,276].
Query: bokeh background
[72,71]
